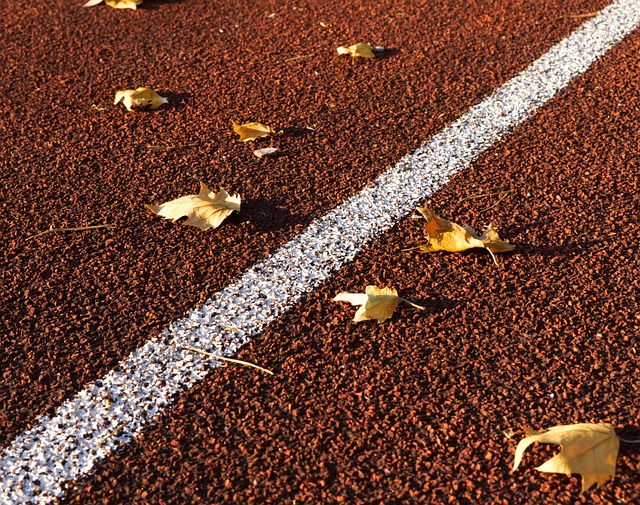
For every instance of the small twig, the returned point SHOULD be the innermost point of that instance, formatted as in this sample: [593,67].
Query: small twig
[230,360]
[168,148]
[484,195]
[80,228]
[629,441]
[499,200]
[579,16]
[301,57]
[416,248]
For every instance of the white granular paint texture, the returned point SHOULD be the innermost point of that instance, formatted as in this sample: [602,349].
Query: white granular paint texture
[111,412]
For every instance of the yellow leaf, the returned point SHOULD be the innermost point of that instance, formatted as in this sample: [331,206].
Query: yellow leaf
[376,303]
[140,98]
[359,50]
[252,131]
[116,4]
[204,210]
[123,4]
[588,449]
[444,235]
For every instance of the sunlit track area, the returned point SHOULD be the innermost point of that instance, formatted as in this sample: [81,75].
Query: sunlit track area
[284,252]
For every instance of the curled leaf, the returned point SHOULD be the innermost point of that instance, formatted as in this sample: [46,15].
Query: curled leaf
[359,50]
[588,449]
[116,4]
[140,98]
[445,235]
[252,131]
[204,210]
[375,303]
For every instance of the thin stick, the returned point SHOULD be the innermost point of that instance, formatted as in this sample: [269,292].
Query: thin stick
[579,16]
[484,195]
[629,441]
[301,57]
[230,360]
[80,228]
[168,148]
[499,200]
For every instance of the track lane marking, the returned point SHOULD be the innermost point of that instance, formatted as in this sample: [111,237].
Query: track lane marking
[113,410]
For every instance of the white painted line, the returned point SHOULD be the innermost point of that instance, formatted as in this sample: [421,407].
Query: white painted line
[111,412]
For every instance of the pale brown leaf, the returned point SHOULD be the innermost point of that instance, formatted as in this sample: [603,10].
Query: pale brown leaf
[590,450]
[204,210]
[444,235]
[375,303]
[116,4]
[140,98]
[252,131]
[359,50]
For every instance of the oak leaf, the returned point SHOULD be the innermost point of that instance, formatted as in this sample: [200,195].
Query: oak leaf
[116,4]
[445,235]
[252,131]
[204,210]
[376,303]
[359,50]
[588,449]
[140,98]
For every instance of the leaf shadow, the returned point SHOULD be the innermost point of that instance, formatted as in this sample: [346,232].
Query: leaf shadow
[567,248]
[152,5]
[436,305]
[177,101]
[297,132]
[629,433]
[266,215]
[389,52]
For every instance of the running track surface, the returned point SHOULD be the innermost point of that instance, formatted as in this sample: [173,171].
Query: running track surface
[409,411]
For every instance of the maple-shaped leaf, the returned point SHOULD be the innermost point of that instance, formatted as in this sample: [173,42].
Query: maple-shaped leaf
[588,449]
[359,50]
[116,4]
[444,235]
[140,98]
[204,210]
[376,303]
[252,131]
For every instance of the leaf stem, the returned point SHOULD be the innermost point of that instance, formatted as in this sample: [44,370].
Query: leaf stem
[80,228]
[492,255]
[412,304]
[230,360]
[629,441]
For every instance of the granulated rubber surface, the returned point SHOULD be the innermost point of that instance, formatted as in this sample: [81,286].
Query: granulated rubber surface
[408,411]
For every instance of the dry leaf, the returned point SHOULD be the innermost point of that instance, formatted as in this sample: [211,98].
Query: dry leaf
[204,210]
[267,152]
[588,449]
[116,4]
[359,50]
[376,303]
[252,131]
[444,235]
[140,98]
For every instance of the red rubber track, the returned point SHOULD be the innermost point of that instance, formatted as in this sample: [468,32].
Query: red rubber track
[405,412]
